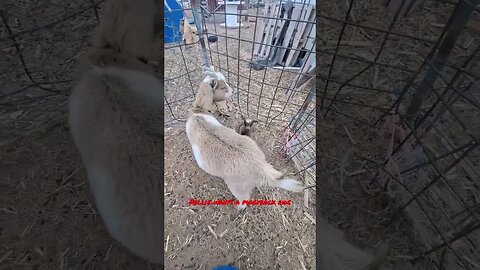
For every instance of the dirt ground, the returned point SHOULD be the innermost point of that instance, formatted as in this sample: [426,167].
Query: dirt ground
[47,213]
[49,220]
[263,237]
[361,98]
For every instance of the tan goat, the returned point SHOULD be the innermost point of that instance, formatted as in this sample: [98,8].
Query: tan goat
[114,113]
[222,152]
[132,28]
[189,32]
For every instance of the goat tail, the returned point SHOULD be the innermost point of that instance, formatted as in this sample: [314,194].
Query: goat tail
[277,179]
[290,184]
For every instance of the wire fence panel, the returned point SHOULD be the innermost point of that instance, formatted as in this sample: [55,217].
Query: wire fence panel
[39,46]
[399,87]
[267,54]
[398,90]
[278,95]
[38,56]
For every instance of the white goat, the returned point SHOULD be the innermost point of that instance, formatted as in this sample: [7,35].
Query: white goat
[222,152]
[114,113]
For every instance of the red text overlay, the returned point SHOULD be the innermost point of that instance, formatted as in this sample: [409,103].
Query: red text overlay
[236,202]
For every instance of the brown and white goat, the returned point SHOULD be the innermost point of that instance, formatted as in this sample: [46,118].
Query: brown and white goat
[115,108]
[222,152]
[246,127]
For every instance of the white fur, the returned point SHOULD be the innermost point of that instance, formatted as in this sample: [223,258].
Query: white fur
[115,204]
[229,93]
[210,75]
[290,184]
[210,71]
[220,76]
[146,84]
[198,157]
[105,199]
[195,149]
[113,133]
[208,79]
[210,119]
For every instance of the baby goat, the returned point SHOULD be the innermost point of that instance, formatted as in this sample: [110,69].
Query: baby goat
[114,110]
[246,127]
[222,152]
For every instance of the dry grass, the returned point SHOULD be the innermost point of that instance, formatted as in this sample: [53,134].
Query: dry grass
[260,238]
[263,237]
[347,177]
[47,212]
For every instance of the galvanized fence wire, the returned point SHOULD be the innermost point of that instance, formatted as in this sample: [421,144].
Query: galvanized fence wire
[272,102]
[16,89]
[433,167]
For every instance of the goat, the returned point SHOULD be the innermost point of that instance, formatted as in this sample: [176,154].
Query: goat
[115,108]
[222,152]
[189,32]
[132,28]
[246,127]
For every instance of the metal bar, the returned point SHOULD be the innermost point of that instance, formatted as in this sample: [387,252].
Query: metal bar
[195,4]
[460,17]
[304,106]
